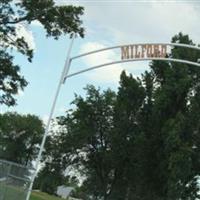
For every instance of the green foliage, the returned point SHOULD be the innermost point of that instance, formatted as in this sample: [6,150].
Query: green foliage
[20,136]
[56,20]
[139,143]
[10,79]
[49,179]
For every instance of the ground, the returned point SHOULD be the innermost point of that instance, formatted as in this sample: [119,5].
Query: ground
[43,196]
[13,193]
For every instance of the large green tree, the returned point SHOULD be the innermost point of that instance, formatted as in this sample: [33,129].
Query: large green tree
[141,142]
[20,137]
[56,20]
[172,127]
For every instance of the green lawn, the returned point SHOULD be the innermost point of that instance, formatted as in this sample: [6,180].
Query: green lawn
[42,196]
[13,193]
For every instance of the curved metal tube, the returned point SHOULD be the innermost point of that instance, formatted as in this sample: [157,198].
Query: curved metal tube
[119,46]
[131,60]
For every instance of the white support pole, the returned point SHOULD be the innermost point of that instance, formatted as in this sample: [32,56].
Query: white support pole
[63,75]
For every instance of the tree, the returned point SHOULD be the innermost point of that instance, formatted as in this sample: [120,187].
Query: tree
[91,139]
[139,143]
[49,179]
[173,150]
[94,143]
[56,20]
[20,137]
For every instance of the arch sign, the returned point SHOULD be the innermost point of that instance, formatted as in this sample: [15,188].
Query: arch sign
[143,51]
[137,52]
[128,53]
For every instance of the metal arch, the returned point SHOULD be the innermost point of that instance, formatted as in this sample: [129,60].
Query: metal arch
[131,60]
[119,46]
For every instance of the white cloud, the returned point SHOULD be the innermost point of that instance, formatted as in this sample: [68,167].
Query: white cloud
[20,93]
[36,23]
[45,119]
[22,31]
[107,73]
[141,20]
[144,22]
[110,73]
[62,110]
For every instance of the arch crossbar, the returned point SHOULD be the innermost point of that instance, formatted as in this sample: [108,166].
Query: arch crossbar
[139,44]
[133,59]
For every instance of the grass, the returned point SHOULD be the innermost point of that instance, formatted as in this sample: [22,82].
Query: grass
[43,196]
[13,193]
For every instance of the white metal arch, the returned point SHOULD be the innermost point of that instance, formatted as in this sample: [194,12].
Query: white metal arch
[65,75]
[197,64]
[119,46]
[132,60]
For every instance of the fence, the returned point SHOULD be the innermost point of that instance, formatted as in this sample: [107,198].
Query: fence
[14,180]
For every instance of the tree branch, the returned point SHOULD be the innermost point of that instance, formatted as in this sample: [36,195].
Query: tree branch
[17,20]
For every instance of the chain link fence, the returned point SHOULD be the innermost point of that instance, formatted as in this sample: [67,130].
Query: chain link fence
[14,180]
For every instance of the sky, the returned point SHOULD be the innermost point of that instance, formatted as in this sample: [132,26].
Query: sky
[107,23]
